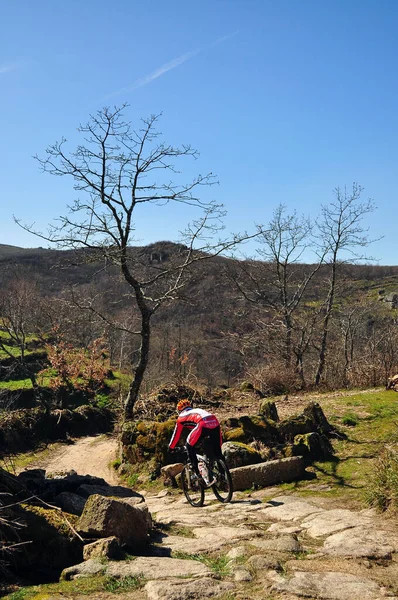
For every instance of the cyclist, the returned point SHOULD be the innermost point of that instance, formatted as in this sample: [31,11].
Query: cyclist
[202,425]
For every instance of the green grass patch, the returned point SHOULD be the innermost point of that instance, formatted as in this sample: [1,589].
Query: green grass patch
[220,565]
[18,384]
[78,587]
[114,585]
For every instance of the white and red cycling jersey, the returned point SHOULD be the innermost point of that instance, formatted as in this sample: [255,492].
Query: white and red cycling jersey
[195,419]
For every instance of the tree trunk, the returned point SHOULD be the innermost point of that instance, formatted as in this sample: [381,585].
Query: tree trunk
[142,364]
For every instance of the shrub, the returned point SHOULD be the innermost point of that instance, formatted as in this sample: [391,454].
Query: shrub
[274,379]
[382,492]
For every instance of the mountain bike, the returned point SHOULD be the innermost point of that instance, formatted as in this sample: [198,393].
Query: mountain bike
[220,480]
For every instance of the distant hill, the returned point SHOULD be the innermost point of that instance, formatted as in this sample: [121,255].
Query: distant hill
[9,251]
[221,333]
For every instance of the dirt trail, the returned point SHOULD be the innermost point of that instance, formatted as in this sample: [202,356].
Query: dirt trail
[86,456]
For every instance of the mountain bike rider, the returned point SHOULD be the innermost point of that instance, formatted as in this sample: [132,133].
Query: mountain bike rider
[202,425]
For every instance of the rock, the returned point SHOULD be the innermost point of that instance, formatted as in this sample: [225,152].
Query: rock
[327,586]
[269,411]
[237,552]
[70,503]
[170,473]
[242,575]
[104,517]
[117,491]
[239,455]
[337,520]
[84,569]
[160,567]
[262,563]
[285,543]
[193,589]
[105,548]
[289,508]
[312,446]
[268,473]
[361,542]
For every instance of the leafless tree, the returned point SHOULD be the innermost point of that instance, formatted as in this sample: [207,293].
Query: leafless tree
[342,238]
[279,282]
[20,315]
[119,170]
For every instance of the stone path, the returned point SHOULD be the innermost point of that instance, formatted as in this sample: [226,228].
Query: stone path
[286,548]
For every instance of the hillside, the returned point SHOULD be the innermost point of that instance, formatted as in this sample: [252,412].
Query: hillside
[213,330]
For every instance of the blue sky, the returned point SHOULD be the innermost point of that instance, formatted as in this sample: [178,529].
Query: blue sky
[284,99]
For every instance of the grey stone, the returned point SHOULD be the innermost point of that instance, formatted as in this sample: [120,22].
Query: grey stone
[237,552]
[327,586]
[104,548]
[288,508]
[268,473]
[84,569]
[242,575]
[261,563]
[361,542]
[160,567]
[105,517]
[285,543]
[337,520]
[187,589]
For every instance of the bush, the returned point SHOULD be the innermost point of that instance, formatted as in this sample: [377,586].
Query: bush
[383,487]
[274,379]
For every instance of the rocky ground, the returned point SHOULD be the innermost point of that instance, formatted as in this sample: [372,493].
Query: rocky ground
[262,545]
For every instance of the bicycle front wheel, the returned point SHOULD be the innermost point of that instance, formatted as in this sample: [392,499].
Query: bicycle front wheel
[222,488]
[192,488]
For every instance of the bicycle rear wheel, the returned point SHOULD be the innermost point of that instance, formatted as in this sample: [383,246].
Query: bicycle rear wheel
[192,488]
[222,488]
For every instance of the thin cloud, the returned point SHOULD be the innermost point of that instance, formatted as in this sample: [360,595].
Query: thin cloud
[176,62]
[157,73]
[8,68]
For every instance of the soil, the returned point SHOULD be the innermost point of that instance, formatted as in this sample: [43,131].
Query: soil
[87,456]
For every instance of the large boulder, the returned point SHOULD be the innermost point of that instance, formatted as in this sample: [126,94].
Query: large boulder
[268,473]
[104,517]
[239,455]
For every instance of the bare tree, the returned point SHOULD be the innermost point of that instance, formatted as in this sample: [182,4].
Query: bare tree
[280,281]
[19,317]
[119,170]
[342,237]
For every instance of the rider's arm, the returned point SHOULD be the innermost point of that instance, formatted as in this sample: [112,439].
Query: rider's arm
[176,435]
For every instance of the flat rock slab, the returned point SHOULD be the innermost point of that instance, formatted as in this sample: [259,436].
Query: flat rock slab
[319,525]
[90,567]
[157,568]
[187,589]
[361,542]
[288,508]
[328,586]
[209,538]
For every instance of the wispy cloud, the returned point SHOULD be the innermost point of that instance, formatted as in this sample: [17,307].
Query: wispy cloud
[8,68]
[176,62]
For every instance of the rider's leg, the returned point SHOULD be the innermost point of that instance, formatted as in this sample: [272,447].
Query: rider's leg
[192,440]
[193,458]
